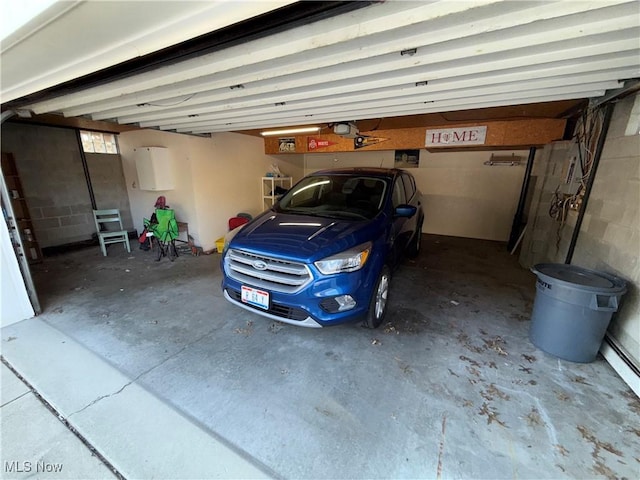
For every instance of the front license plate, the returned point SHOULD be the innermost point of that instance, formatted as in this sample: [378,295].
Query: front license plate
[256,297]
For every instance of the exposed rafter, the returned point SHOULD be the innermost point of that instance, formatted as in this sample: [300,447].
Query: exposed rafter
[387,59]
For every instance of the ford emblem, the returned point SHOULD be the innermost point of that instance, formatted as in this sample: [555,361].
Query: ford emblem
[259,265]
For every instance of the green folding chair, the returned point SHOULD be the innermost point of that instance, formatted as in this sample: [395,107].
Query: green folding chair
[165,231]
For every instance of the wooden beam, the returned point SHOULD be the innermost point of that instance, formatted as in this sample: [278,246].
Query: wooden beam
[79,123]
[500,135]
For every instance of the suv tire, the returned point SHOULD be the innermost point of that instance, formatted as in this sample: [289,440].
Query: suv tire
[413,250]
[379,300]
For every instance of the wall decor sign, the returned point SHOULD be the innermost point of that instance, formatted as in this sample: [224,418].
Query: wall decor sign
[287,144]
[407,159]
[316,143]
[456,136]
[362,141]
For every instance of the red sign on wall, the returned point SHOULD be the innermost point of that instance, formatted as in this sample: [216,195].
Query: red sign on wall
[315,143]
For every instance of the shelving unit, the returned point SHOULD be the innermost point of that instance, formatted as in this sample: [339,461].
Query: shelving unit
[21,220]
[269,184]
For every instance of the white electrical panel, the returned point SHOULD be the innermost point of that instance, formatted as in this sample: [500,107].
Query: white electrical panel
[571,173]
[155,168]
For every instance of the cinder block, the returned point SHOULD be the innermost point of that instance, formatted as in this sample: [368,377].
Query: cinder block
[627,241]
[38,200]
[539,235]
[45,223]
[127,221]
[85,231]
[540,164]
[631,217]
[41,235]
[572,219]
[594,207]
[35,212]
[69,234]
[48,212]
[621,260]
[612,212]
[55,237]
[596,229]
[616,234]
[584,250]
[620,116]
[538,246]
[621,167]
[83,208]
[73,220]
[549,188]
[621,147]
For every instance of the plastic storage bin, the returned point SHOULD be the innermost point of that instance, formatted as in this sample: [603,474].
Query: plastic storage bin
[572,310]
[220,244]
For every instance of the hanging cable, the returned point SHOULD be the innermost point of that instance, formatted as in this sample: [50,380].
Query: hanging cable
[587,134]
[147,104]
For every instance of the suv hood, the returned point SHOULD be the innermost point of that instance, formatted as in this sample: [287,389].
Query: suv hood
[303,237]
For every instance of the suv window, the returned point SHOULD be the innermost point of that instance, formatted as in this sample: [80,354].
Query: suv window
[339,196]
[409,186]
[399,197]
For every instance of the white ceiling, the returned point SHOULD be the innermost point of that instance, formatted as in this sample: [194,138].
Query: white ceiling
[384,60]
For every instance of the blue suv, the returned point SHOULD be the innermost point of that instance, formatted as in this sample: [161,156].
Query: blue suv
[324,253]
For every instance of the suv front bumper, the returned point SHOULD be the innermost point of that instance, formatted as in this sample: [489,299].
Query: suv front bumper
[307,321]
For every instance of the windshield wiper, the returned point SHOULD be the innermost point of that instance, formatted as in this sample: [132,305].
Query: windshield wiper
[343,214]
[299,211]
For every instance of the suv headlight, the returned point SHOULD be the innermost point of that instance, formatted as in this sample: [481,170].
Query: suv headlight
[347,261]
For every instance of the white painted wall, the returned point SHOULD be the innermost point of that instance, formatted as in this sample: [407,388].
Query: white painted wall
[320,161]
[462,197]
[142,202]
[215,178]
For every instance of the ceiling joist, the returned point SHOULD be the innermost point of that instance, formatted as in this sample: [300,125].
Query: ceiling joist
[384,60]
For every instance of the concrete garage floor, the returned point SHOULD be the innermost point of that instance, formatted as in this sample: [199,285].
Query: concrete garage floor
[450,387]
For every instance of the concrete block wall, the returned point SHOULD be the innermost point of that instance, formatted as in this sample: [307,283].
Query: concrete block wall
[109,189]
[50,166]
[540,241]
[609,239]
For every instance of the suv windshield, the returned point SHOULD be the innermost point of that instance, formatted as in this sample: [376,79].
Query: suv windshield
[358,197]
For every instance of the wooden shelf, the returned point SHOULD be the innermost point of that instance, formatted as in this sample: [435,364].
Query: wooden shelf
[269,185]
[21,222]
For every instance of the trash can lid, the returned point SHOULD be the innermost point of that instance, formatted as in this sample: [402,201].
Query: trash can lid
[580,278]
[575,275]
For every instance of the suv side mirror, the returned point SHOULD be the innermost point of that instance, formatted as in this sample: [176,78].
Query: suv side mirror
[405,211]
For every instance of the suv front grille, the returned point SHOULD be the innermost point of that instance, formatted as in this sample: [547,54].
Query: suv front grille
[266,272]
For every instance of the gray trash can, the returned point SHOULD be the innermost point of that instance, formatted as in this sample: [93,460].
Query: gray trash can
[572,310]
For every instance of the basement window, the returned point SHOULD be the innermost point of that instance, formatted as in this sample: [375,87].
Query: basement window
[98,142]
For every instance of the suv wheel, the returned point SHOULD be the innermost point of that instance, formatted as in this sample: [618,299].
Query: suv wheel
[378,302]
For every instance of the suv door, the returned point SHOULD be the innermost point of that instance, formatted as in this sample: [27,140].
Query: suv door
[401,229]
